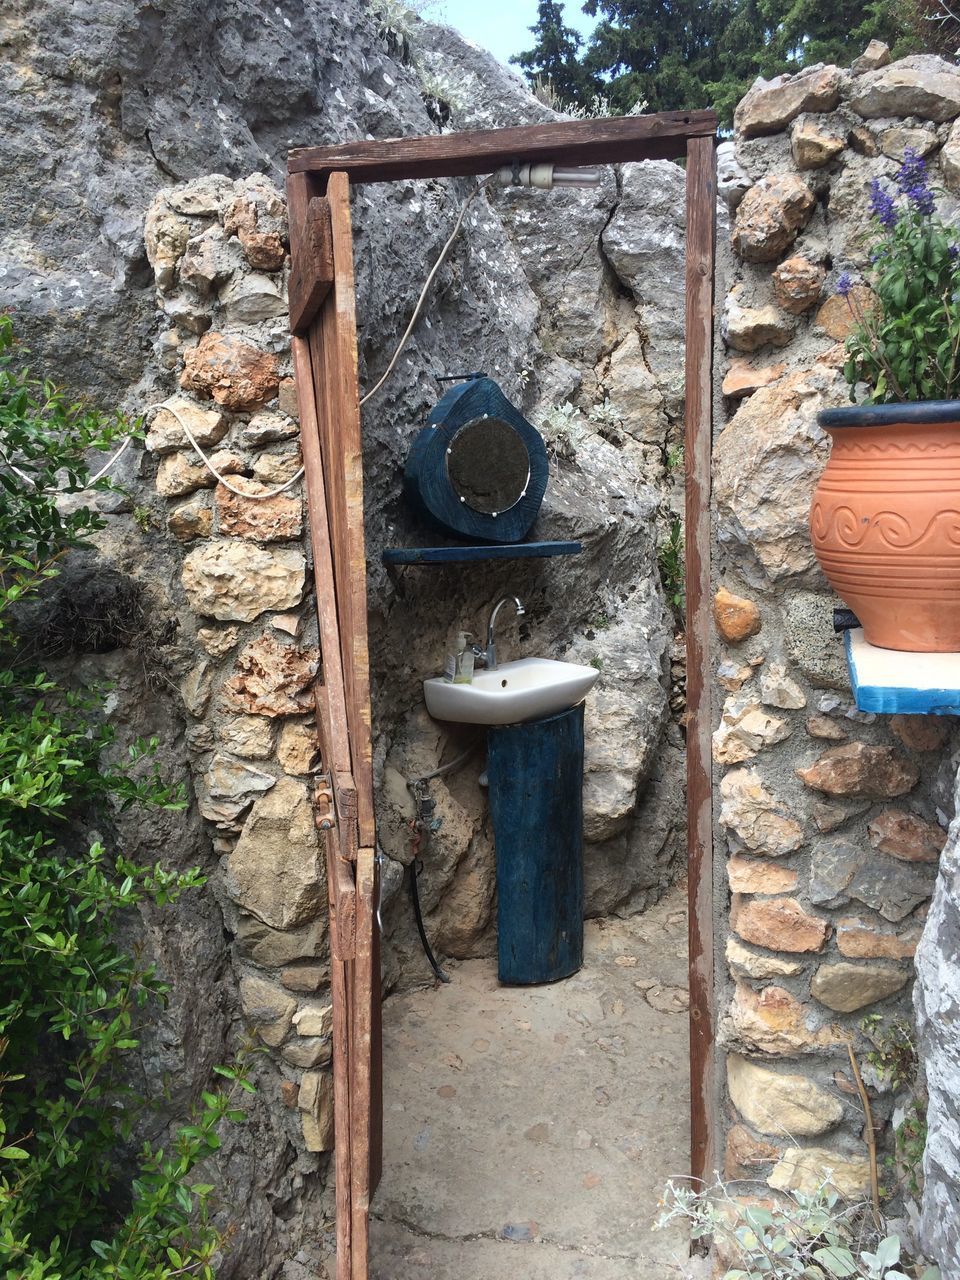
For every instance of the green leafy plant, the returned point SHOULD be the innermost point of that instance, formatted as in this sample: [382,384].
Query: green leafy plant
[906,344]
[799,1237]
[895,1059]
[71,994]
[672,567]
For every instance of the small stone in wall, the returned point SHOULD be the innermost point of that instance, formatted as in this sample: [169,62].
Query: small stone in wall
[305,978]
[307,1051]
[819,726]
[770,215]
[777,689]
[797,283]
[278,466]
[196,688]
[288,402]
[746,1155]
[275,871]
[858,770]
[737,618]
[838,315]
[829,816]
[314,1018]
[232,785]
[165,235]
[780,1103]
[742,378]
[896,141]
[807,1169]
[779,924]
[750,328]
[272,948]
[192,520]
[770,105]
[759,875]
[875,55]
[261,519]
[746,729]
[843,868]
[218,641]
[201,197]
[862,940]
[210,260]
[250,737]
[744,963]
[272,678]
[774,1021]
[903,835]
[267,427]
[180,474]
[316,1105]
[732,677]
[814,144]
[845,987]
[268,1008]
[235,373]
[186,311]
[248,299]
[754,819]
[920,733]
[862,141]
[922,85]
[166,434]
[235,581]
[950,160]
[299,747]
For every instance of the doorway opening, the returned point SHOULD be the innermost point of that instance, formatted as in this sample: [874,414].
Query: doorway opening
[325,356]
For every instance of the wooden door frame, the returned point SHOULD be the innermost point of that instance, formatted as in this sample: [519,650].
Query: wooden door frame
[318,175]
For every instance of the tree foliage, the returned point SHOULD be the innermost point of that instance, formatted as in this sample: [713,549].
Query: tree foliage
[71,995]
[553,59]
[677,54]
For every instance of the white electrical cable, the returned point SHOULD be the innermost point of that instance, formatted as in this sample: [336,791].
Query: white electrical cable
[272,493]
[254,497]
[423,292]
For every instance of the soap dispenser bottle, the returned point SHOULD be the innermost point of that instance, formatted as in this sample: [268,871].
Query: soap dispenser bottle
[459,667]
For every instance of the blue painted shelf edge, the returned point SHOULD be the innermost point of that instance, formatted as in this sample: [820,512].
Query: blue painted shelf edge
[500,551]
[888,682]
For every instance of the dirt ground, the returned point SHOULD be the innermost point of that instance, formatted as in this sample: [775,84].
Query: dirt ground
[529,1131]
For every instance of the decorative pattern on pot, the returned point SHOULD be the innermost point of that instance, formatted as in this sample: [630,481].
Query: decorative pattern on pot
[885,521]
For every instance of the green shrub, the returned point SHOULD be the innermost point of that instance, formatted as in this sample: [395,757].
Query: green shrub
[70,994]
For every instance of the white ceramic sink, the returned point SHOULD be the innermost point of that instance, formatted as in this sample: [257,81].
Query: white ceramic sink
[527,689]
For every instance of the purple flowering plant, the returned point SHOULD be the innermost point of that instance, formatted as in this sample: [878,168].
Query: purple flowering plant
[905,344]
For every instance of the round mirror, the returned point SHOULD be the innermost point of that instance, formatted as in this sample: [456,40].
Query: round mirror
[488,465]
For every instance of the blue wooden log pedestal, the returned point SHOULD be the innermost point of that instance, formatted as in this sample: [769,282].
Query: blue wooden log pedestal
[536,799]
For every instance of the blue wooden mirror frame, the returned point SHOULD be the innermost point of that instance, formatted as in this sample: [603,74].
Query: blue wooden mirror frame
[427,482]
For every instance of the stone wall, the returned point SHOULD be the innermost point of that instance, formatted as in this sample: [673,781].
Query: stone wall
[832,820]
[144,254]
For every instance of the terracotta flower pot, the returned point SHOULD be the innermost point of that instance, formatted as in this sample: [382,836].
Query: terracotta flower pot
[885,521]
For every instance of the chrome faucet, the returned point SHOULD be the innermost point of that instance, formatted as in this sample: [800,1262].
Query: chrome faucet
[488,656]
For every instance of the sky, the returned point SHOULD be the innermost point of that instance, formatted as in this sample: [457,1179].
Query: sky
[502,26]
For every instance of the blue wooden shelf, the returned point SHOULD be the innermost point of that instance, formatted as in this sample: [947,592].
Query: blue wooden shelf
[887,681]
[458,555]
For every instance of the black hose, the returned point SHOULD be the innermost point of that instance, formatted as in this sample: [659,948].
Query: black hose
[416,866]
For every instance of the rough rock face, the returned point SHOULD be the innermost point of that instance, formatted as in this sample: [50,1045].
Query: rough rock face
[937,1002]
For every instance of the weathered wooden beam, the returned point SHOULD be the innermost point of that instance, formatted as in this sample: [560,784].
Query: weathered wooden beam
[341,1072]
[311,265]
[698,376]
[662,136]
[365,1109]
